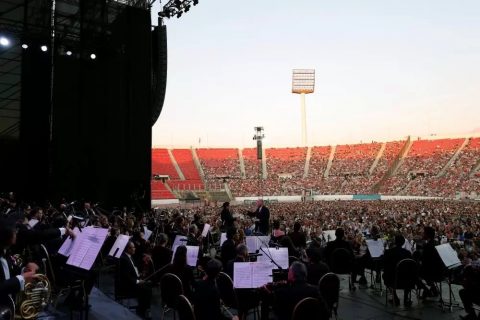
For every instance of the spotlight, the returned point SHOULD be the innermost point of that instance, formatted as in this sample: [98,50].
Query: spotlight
[4,41]
[93,56]
[195,2]
[68,53]
[25,46]
[44,48]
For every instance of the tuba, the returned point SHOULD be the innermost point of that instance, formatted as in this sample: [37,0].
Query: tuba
[34,298]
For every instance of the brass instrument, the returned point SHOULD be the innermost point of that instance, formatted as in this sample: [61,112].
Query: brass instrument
[34,298]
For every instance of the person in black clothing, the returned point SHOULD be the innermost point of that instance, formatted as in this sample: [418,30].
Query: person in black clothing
[470,293]
[181,269]
[316,269]
[161,255]
[228,249]
[206,298]
[11,281]
[129,281]
[336,244]
[431,266]
[226,216]
[287,296]
[391,258]
[262,214]
[298,237]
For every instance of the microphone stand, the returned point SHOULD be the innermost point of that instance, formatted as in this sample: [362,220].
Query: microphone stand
[268,254]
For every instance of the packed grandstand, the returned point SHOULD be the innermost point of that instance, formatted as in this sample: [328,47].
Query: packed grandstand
[448,168]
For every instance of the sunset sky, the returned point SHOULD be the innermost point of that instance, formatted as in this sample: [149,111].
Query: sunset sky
[384,70]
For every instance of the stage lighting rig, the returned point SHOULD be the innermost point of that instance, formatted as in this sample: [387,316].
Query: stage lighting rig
[176,8]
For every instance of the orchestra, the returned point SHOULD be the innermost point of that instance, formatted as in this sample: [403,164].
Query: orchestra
[150,251]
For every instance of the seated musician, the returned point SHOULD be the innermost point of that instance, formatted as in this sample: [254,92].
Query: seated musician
[228,249]
[339,242]
[286,296]
[316,268]
[193,237]
[298,237]
[130,282]
[181,269]
[391,258]
[431,266]
[277,232]
[10,282]
[207,298]
[470,293]
[161,255]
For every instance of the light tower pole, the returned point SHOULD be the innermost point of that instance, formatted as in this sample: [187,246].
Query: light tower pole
[303,82]
[259,136]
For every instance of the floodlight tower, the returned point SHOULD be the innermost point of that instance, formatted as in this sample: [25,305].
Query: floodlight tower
[259,136]
[303,82]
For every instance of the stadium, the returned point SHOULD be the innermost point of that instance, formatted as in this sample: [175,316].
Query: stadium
[415,167]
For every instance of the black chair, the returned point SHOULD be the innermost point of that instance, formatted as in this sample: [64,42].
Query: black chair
[307,307]
[185,309]
[341,262]
[229,296]
[329,286]
[406,277]
[170,289]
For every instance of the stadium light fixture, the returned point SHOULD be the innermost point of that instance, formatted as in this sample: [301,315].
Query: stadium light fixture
[68,53]
[303,82]
[93,56]
[44,48]
[195,2]
[25,46]
[4,41]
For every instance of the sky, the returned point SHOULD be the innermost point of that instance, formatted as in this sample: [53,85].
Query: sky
[384,70]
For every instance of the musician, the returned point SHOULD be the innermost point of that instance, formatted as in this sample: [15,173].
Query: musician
[181,269]
[339,242]
[298,237]
[286,296]
[130,281]
[391,258]
[161,255]
[207,298]
[470,293]
[262,214]
[10,284]
[226,216]
[431,266]
[193,236]
[228,249]
[316,268]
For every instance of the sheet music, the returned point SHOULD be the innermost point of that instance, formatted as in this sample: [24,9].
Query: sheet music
[254,243]
[178,241]
[251,274]
[89,242]
[120,244]
[68,244]
[32,223]
[147,233]
[329,235]
[192,255]
[375,247]
[206,228]
[448,255]
[408,245]
[223,237]
[279,255]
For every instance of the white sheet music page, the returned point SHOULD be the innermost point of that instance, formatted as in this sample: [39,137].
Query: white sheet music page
[206,228]
[147,233]
[89,244]
[242,275]
[251,243]
[178,241]
[192,254]
[68,244]
[448,255]
[375,247]
[120,244]
[261,273]
[279,255]
[262,242]
[329,235]
[223,237]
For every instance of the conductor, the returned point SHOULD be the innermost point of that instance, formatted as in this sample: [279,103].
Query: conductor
[262,215]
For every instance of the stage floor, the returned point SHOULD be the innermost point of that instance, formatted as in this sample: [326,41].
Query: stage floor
[363,304]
